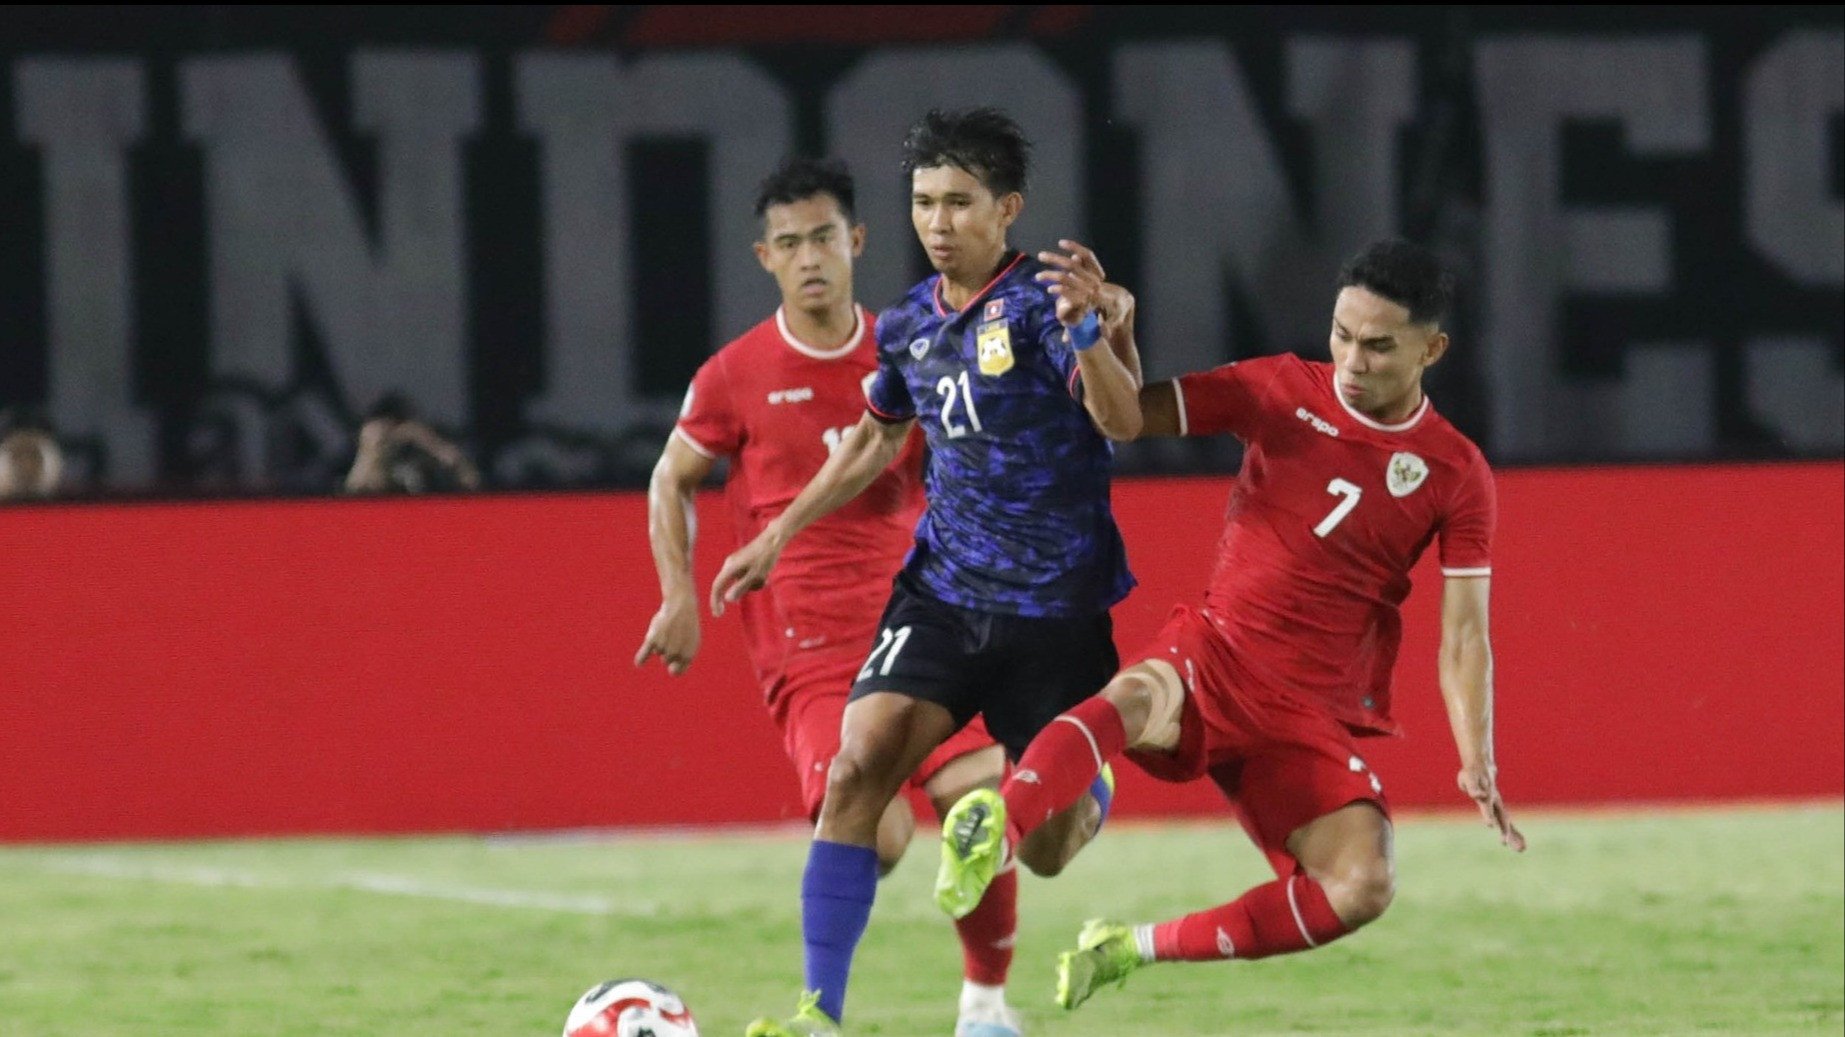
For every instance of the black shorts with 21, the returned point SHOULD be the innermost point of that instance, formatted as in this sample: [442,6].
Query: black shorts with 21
[1019,672]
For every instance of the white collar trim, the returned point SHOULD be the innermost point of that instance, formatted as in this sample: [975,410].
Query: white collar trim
[852,341]
[1408,423]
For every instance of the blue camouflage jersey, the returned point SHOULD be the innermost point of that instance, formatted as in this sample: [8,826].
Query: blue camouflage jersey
[1018,520]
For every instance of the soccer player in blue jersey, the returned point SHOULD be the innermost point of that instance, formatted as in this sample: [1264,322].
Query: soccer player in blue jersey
[1020,371]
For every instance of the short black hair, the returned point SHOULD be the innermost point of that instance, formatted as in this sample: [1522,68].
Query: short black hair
[984,141]
[392,406]
[1405,273]
[799,178]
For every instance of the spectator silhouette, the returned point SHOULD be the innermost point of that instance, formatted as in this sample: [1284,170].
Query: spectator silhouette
[399,452]
[31,462]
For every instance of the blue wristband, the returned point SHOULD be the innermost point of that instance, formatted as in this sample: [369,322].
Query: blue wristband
[1087,333]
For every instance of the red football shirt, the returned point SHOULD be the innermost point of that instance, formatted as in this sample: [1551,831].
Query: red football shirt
[776,407]
[1328,516]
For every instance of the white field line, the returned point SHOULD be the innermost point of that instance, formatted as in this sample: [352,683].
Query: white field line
[112,867]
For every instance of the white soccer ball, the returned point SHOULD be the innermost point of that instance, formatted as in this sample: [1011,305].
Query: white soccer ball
[630,1008]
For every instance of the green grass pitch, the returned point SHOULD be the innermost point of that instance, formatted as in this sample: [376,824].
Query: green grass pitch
[1618,923]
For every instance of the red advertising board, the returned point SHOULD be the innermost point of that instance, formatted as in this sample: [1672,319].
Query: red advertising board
[465,663]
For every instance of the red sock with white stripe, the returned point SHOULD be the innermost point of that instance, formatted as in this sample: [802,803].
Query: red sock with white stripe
[1059,764]
[987,933]
[1280,917]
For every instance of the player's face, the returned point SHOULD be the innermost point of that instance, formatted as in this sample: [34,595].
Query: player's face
[809,247]
[1379,356]
[959,222]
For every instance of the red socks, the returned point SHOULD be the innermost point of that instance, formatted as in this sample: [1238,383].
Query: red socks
[1060,764]
[1280,917]
[987,933]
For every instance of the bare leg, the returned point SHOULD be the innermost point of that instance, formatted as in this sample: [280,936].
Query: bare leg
[895,830]
[1350,853]
[884,738]
[979,769]
[1053,845]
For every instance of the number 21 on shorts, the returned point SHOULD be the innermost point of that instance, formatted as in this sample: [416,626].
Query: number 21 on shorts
[890,642]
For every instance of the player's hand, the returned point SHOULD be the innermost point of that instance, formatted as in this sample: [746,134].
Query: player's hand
[1481,784]
[1075,279]
[1115,306]
[747,569]
[673,634]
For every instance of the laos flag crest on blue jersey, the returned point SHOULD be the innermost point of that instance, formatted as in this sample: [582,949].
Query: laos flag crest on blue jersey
[994,349]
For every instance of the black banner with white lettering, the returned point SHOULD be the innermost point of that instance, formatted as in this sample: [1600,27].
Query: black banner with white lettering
[227,230]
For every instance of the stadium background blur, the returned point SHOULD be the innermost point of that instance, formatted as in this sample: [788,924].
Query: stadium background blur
[228,231]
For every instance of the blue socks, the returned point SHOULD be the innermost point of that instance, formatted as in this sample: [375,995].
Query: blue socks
[836,894]
[1104,792]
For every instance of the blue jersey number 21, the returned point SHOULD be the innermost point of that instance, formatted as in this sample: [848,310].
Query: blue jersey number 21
[952,390]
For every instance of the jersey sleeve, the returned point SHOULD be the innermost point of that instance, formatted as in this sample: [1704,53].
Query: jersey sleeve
[1225,399]
[1467,529]
[1054,344]
[888,396]
[708,420]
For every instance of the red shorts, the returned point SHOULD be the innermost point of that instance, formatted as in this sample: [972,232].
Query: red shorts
[1281,763]
[809,703]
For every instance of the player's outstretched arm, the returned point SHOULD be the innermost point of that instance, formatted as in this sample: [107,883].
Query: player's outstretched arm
[1116,306]
[1076,278]
[1466,666]
[864,452]
[1159,410]
[672,527]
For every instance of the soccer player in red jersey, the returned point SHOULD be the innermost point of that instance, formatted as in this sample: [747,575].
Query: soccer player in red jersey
[1348,475]
[775,402]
